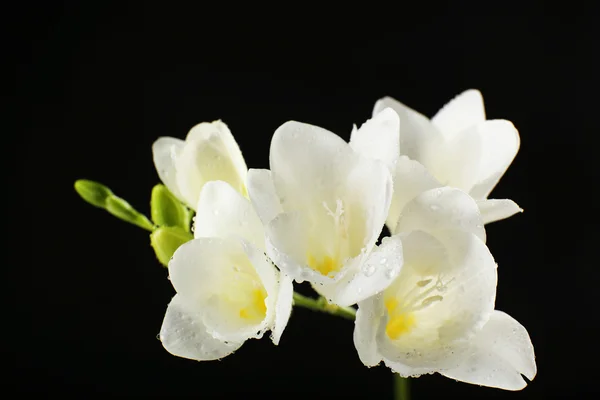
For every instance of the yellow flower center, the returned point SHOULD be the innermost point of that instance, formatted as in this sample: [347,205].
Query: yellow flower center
[325,265]
[401,309]
[256,310]
[399,322]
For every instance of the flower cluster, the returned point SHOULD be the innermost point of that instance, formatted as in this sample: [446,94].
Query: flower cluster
[425,294]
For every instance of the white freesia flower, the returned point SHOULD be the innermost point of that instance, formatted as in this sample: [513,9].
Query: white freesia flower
[208,153]
[228,291]
[438,315]
[324,206]
[458,146]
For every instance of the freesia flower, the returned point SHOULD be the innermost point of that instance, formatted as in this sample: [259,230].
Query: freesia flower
[459,148]
[438,315]
[324,206]
[208,153]
[228,290]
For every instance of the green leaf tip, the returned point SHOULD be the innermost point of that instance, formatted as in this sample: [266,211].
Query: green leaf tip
[166,239]
[167,210]
[93,192]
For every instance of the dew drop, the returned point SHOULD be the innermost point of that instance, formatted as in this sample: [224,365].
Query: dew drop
[359,290]
[390,273]
[368,270]
[383,260]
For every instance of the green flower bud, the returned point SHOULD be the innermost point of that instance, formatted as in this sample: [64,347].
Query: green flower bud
[167,210]
[93,192]
[123,210]
[166,239]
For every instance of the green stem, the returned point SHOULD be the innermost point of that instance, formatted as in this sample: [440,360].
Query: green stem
[322,305]
[401,388]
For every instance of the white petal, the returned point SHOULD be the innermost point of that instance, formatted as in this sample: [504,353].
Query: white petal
[222,212]
[379,138]
[376,273]
[494,210]
[462,112]
[184,335]
[287,246]
[191,269]
[455,161]
[208,155]
[410,179]
[415,129]
[368,316]
[206,129]
[283,307]
[263,195]
[501,352]
[217,276]
[499,145]
[165,151]
[309,165]
[442,209]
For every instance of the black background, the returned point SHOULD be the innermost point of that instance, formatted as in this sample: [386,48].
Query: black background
[95,86]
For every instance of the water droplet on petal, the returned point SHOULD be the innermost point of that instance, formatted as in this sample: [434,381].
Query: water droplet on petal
[368,270]
[383,260]
[390,273]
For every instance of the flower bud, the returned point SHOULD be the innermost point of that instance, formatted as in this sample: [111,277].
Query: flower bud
[166,239]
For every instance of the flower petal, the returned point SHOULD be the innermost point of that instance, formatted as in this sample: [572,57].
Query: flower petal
[165,151]
[225,286]
[462,112]
[501,352]
[184,335]
[287,245]
[376,273]
[283,306]
[494,210]
[369,313]
[222,212]
[309,165]
[261,191]
[500,143]
[455,161]
[410,179]
[379,138]
[442,209]
[205,129]
[209,155]
[415,129]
